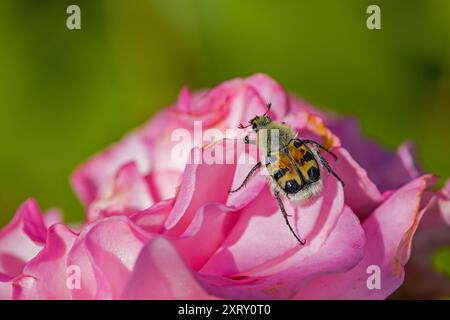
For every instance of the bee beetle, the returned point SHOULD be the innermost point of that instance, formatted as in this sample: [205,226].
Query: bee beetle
[292,163]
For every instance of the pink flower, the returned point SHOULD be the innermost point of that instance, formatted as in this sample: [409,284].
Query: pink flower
[163,229]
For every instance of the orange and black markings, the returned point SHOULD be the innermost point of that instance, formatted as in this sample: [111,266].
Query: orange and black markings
[293,167]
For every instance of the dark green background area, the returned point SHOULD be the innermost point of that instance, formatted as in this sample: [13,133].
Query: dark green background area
[67,94]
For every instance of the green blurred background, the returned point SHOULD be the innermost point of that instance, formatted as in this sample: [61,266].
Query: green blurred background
[67,94]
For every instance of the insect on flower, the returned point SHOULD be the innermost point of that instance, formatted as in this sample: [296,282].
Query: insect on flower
[292,162]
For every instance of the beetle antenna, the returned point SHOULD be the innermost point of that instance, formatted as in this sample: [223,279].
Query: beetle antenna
[268,105]
[241,126]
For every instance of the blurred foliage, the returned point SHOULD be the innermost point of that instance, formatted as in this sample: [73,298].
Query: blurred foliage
[67,94]
[441,261]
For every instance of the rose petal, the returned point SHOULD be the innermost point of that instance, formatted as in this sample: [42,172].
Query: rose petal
[203,211]
[183,103]
[210,227]
[216,101]
[204,183]
[380,164]
[309,126]
[342,250]
[260,238]
[422,281]
[161,274]
[389,231]
[92,179]
[361,194]
[128,194]
[22,238]
[443,200]
[106,252]
[53,216]
[271,92]
[153,218]
[45,277]
[5,287]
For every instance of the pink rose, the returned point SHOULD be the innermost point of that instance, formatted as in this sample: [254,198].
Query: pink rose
[161,228]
